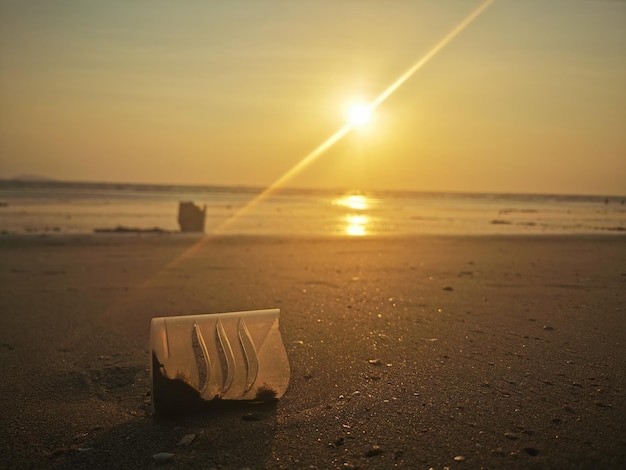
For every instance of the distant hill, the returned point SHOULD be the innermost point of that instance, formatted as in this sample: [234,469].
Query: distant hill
[31,178]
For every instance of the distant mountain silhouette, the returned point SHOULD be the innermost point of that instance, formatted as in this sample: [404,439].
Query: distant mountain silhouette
[30,177]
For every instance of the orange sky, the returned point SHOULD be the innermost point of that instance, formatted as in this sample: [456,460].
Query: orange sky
[531,97]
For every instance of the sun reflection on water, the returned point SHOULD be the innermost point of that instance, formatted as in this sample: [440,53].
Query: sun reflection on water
[353,201]
[355,223]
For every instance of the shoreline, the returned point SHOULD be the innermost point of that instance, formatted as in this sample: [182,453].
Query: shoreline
[124,233]
[415,351]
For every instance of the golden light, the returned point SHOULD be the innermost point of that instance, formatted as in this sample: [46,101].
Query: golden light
[356,225]
[359,114]
[354,201]
[334,138]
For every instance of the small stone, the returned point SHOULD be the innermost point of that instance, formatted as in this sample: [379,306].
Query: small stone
[186,440]
[511,435]
[448,289]
[459,458]
[373,451]
[162,457]
[531,451]
[376,362]
[498,451]
[548,328]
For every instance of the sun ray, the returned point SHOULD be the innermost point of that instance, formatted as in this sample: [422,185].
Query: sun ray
[431,53]
[302,164]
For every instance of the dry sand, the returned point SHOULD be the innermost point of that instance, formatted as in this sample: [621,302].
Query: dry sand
[489,352]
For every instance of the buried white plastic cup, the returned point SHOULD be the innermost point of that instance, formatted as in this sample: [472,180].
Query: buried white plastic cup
[219,356]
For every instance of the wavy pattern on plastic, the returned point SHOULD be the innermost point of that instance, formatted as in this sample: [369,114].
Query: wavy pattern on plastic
[228,358]
[203,360]
[249,353]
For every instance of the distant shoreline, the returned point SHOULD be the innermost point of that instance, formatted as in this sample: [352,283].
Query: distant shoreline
[38,181]
[75,207]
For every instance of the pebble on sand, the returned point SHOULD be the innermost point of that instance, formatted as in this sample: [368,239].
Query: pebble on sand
[186,440]
[373,451]
[162,457]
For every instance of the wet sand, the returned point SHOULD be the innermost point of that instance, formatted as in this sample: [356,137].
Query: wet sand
[460,352]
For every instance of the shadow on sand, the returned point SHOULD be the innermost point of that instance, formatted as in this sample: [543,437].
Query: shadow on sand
[221,435]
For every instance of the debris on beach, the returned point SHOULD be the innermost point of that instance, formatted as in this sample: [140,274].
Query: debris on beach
[123,229]
[190,217]
[185,380]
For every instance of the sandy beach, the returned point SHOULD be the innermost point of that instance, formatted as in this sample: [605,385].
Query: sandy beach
[416,352]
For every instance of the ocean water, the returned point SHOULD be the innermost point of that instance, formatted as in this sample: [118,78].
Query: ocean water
[58,207]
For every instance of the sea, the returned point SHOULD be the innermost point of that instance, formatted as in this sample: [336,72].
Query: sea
[53,207]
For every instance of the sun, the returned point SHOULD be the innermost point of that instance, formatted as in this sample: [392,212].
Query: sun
[359,114]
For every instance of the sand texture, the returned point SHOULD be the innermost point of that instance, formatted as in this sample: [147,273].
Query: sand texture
[459,352]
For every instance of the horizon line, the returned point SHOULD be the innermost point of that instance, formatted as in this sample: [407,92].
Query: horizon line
[36,179]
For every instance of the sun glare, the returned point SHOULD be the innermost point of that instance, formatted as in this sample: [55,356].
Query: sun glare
[356,225]
[359,115]
[353,201]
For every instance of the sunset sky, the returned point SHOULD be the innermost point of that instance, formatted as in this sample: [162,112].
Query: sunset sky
[530,97]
